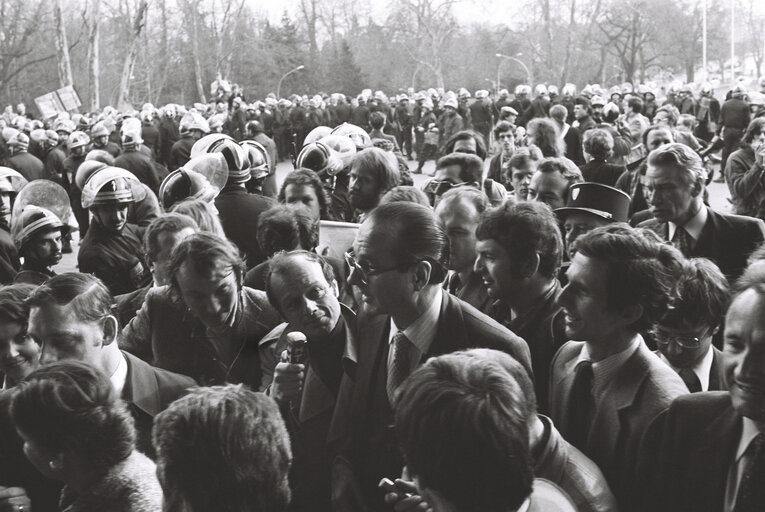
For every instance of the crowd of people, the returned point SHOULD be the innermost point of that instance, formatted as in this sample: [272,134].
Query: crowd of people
[552,319]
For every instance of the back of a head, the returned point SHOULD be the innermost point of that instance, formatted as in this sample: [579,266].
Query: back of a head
[468,195]
[377,120]
[598,143]
[88,296]
[201,213]
[639,268]
[71,407]
[166,223]
[412,229]
[524,230]
[559,113]
[567,169]
[232,439]
[285,228]
[405,193]
[703,296]
[461,423]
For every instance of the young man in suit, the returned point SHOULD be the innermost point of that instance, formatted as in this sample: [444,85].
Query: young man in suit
[684,334]
[674,187]
[608,386]
[398,264]
[707,451]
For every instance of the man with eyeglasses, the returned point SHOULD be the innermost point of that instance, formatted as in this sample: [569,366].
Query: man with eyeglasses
[707,451]
[684,335]
[674,184]
[398,263]
[301,285]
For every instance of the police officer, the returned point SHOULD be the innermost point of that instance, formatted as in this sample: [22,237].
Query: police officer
[239,210]
[192,128]
[38,234]
[100,136]
[112,248]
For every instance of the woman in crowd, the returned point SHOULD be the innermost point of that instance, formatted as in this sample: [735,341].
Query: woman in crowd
[76,430]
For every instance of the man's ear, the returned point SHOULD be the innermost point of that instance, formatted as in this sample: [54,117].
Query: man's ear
[530,267]
[697,189]
[111,328]
[421,276]
[631,314]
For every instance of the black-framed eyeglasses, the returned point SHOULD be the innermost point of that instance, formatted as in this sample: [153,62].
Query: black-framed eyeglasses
[365,273]
[663,340]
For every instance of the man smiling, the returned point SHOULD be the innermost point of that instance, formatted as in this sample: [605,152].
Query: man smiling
[607,387]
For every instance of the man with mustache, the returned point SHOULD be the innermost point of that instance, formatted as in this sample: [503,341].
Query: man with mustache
[37,234]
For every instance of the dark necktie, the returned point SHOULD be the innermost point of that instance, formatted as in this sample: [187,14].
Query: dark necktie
[691,379]
[683,241]
[751,491]
[580,405]
[400,367]
[454,284]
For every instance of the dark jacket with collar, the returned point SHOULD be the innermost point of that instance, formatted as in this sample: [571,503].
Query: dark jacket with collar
[168,336]
[686,454]
[239,212]
[148,391]
[308,421]
[600,171]
[640,390]
[727,240]
[544,329]
[362,426]
[716,371]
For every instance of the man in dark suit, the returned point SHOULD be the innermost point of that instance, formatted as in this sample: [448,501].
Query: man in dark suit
[71,318]
[301,285]
[684,334]
[598,148]
[607,388]
[398,265]
[707,451]
[674,190]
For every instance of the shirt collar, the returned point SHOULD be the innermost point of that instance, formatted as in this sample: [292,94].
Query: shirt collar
[694,225]
[702,369]
[119,377]
[748,433]
[605,369]
[422,331]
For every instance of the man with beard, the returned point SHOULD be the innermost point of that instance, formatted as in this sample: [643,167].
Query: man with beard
[37,233]
[373,173]
[112,248]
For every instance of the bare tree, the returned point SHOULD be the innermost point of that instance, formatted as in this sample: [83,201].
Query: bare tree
[139,21]
[62,47]
[94,59]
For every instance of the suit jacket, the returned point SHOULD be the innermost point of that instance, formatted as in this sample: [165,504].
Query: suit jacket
[149,391]
[362,426]
[600,171]
[168,336]
[716,371]
[560,462]
[308,421]
[686,454]
[727,240]
[642,388]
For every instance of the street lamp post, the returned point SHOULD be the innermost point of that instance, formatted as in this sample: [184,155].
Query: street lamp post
[526,69]
[285,75]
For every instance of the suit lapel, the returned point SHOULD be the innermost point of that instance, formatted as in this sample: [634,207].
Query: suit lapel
[717,372]
[619,395]
[563,382]
[143,388]
[707,244]
[451,334]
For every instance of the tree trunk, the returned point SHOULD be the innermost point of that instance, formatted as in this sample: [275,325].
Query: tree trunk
[195,49]
[62,47]
[94,74]
[127,68]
